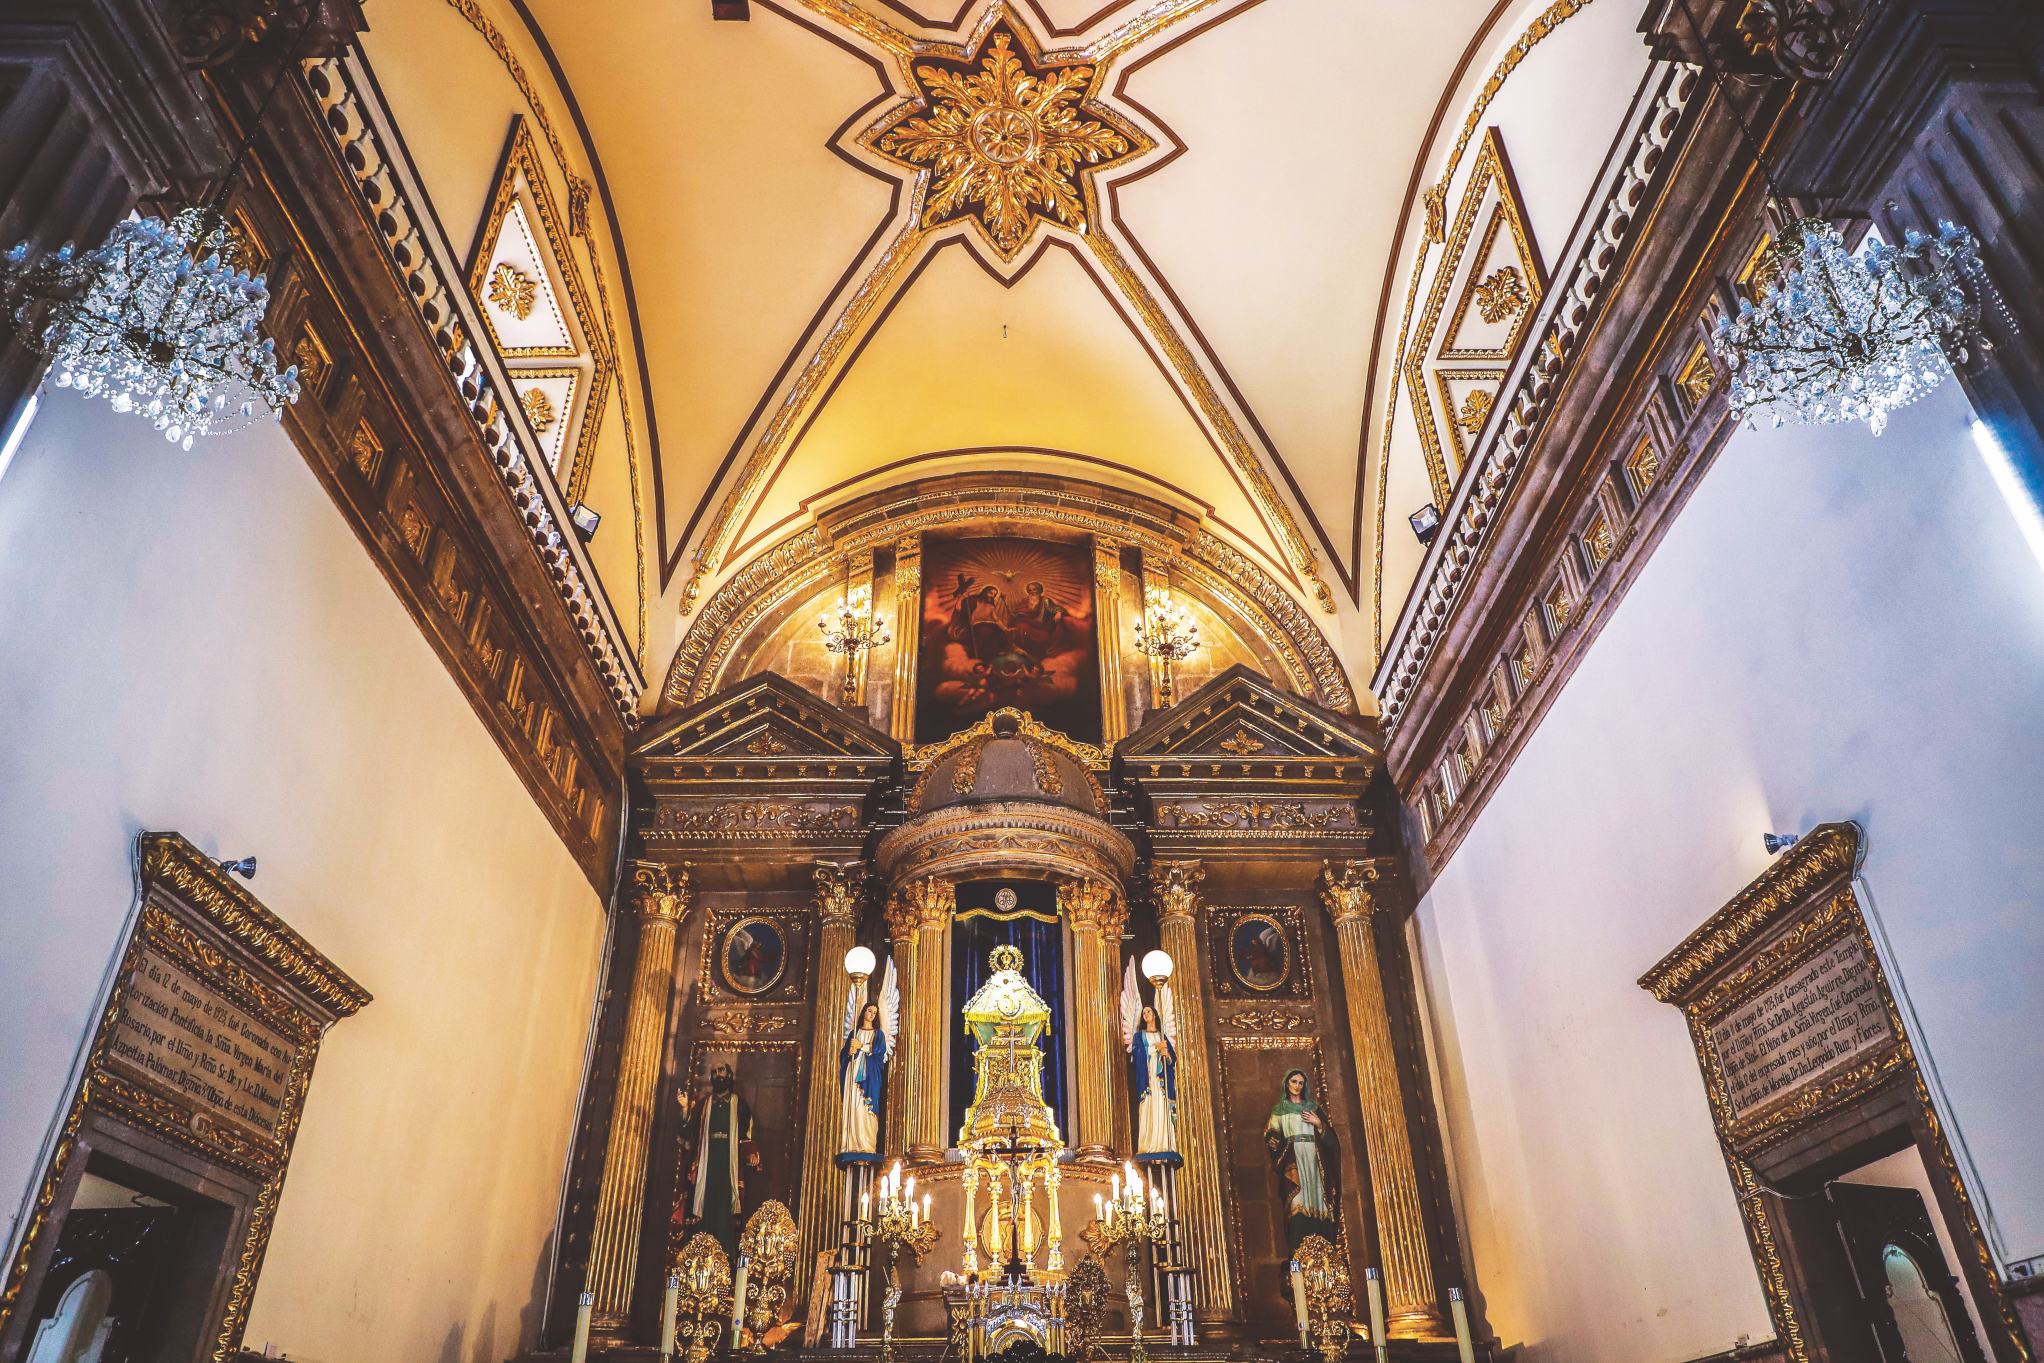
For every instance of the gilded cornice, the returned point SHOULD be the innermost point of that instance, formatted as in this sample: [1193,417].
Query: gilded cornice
[662,888]
[1174,888]
[1826,854]
[193,878]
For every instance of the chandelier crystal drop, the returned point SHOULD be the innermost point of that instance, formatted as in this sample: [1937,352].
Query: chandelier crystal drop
[1844,337]
[157,320]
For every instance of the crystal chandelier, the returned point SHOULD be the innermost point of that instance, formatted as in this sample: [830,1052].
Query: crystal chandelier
[1844,337]
[1168,634]
[156,320]
[853,630]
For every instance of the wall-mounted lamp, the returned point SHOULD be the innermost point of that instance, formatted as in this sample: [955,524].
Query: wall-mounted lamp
[585,521]
[859,963]
[1426,523]
[1775,842]
[245,868]
[1157,968]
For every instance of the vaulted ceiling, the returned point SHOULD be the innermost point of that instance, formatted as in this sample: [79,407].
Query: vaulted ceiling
[1170,276]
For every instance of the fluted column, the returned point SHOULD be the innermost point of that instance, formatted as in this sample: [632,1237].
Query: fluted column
[838,887]
[1174,888]
[661,892]
[1096,913]
[1402,1233]
[901,931]
[908,631]
[931,900]
[1107,614]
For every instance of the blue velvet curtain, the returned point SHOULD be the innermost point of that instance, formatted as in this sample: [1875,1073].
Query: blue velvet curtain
[1032,925]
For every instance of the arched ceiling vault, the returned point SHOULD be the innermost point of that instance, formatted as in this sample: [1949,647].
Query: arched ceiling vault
[1149,238]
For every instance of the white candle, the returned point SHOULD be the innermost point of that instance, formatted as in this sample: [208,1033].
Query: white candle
[1114,1188]
[584,1306]
[865,1207]
[926,1207]
[1376,1285]
[738,1300]
[911,1193]
[667,1310]
[1299,1304]
[1464,1345]
[1098,1206]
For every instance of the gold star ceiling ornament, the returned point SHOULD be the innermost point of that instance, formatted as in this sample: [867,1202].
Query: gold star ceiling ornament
[1004,138]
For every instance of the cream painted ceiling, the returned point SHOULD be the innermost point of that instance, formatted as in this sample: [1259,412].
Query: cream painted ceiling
[1208,337]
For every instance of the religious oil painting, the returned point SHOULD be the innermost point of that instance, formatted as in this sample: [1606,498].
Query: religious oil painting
[754,956]
[1008,622]
[1258,954]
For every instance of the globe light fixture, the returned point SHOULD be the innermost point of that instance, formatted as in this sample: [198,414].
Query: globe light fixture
[1157,967]
[859,963]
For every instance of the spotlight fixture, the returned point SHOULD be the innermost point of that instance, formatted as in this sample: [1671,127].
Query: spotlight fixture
[245,868]
[1776,842]
[1426,523]
[585,521]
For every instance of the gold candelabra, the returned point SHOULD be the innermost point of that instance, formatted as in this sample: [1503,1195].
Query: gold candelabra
[767,1252]
[1168,633]
[1133,1215]
[703,1293]
[901,1224]
[1330,1298]
[853,630]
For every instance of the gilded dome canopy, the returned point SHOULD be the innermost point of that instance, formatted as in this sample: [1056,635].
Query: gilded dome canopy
[1009,757]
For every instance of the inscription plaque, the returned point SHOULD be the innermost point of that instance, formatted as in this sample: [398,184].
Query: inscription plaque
[179,1032]
[1824,1013]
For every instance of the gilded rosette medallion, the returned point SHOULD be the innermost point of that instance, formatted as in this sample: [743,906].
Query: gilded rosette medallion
[1005,138]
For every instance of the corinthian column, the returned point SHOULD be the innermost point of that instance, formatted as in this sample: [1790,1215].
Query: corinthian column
[908,629]
[837,910]
[662,895]
[1345,887]
[1096,913]
[1107,612]
[1174,887]
[931,901]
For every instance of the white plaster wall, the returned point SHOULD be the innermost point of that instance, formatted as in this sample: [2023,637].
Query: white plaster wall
[1836,627]
[196,641]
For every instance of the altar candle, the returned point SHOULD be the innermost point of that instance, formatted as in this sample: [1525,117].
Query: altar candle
[738,1300]
[926,1208]
[865,1207]
[584,1306]
[1299,1303]
[1098,1206]
[1464,1345]
[1114,1188]
[911,1187]
[1376,1285]
[667,1310]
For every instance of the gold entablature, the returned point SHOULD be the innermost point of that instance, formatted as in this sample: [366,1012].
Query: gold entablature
[1204,564]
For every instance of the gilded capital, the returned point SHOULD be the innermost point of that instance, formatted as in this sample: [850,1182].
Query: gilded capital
[1347,889]
[1106,561]
[934,899]
[662,888]
[838,886]
[1092,906]
[1174,886]
[901,916]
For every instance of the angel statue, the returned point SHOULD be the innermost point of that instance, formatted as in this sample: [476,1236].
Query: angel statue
[1150,1036]
[870,1029]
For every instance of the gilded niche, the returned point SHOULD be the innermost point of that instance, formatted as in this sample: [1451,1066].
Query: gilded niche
[1006,138]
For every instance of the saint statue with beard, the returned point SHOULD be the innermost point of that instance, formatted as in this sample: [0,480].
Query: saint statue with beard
[717,1154]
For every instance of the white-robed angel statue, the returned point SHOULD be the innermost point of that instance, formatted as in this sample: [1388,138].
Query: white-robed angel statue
[1150,1035]
[870,1029]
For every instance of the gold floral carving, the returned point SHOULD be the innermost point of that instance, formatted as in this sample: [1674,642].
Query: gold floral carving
[741,1024]
[762,818]
[923,756]
[1242,743]
[512,290]
[1475,411]
[1268,1020]
[1005,142]
[1256,815]
[1174,888]
[1502,294]
[539,410]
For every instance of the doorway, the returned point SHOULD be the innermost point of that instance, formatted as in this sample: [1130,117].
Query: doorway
[1910,1298]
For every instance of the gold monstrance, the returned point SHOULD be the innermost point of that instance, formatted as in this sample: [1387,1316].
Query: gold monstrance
[1011,1143]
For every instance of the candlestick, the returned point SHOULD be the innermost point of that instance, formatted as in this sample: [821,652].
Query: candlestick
[1375,1282]
[585,1305]
[738,1300]
[926,1207]
[1299,1305]
[667,1308]
[1464,1344]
